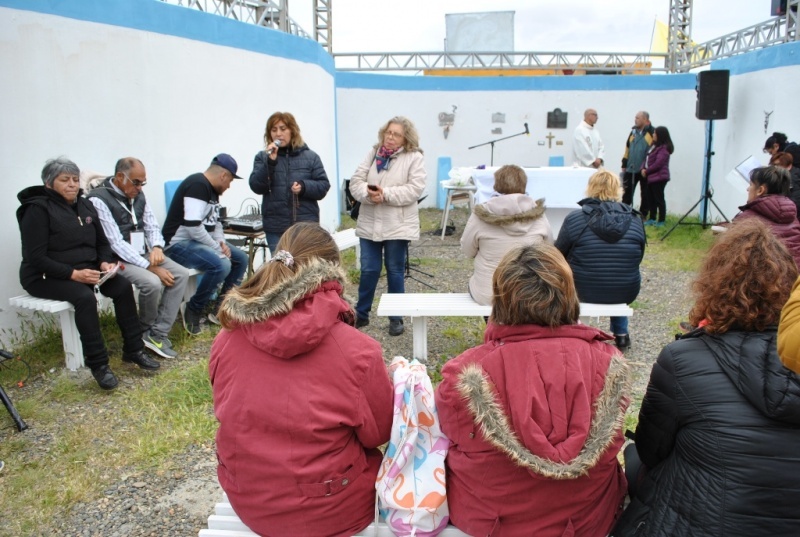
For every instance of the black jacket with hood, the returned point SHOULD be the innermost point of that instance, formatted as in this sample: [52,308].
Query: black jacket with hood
[58,237]
[604,243]
[719,429]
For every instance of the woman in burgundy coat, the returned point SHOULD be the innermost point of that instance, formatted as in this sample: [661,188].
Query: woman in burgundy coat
[535,414]
[767,200]
[303,399]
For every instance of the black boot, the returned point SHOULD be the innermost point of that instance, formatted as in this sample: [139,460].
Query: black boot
[623,341]
[105,377]
[142,360]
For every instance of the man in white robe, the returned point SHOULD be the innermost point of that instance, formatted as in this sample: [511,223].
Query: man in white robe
[587,145]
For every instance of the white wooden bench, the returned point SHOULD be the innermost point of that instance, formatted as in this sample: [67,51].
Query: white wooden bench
[73,349]
[420,306]
[346,238]
[225,523]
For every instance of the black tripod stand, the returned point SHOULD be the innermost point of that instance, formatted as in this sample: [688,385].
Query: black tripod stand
[706,197]
[410,276]
[492,142]
[18,421]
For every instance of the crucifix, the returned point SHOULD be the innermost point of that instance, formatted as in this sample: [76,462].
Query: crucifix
[550,140]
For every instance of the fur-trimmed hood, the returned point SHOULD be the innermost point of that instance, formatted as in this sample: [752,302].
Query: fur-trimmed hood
[607,420]
[513,212]
[294,316]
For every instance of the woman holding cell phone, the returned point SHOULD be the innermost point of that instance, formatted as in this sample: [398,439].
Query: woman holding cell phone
[388,183]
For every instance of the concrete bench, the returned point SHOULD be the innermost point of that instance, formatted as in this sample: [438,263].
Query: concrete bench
[347,239]
[225,523]
[420,306]
[73,349]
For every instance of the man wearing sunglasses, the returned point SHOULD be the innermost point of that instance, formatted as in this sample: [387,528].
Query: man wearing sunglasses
[136,239]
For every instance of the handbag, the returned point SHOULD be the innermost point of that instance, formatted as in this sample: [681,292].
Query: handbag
[411,493]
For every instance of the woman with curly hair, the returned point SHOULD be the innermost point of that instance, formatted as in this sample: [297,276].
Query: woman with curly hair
[719,425]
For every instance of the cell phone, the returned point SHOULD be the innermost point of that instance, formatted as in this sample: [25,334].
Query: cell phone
[374,188]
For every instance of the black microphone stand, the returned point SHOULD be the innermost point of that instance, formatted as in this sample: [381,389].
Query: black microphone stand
[492,142]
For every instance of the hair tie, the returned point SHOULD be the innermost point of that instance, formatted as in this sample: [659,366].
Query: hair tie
[284,257]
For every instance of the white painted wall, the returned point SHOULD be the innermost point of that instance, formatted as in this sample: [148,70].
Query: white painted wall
[362,111]
[96,80]
[97,92]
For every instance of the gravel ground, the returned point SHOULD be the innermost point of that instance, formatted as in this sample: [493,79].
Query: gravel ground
[178,500]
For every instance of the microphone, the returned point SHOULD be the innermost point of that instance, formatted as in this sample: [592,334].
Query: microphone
[277,144]
[526,129]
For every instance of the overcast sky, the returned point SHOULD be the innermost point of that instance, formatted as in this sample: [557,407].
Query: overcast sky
[540,25]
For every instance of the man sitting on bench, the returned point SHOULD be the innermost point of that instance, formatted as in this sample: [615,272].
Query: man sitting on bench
[195,239]
[135,237]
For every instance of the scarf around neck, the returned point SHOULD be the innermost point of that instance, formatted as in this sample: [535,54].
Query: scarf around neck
[382,157]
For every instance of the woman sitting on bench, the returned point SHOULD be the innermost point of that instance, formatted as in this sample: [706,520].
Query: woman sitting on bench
[534,415]
[719,424]
[303,398]
[502,223]
[65,255]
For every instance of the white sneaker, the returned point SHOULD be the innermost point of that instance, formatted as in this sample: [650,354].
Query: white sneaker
[212,318]
[159,345]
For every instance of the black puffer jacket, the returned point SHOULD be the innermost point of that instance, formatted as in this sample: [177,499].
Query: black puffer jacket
[719,429]
[273,179]
[604,243]
[58,237]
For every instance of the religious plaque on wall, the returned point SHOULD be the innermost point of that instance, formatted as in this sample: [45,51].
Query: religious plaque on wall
[556,119]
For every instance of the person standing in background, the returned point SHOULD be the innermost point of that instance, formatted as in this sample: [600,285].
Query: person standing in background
[587,145]
[655,171]
[636,146]
[388,183]
[289,176]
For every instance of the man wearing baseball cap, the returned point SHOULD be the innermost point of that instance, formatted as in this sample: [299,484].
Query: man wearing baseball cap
[194,237]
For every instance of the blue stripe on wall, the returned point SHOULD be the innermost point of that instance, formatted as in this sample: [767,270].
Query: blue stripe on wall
[348,79]
[178,21]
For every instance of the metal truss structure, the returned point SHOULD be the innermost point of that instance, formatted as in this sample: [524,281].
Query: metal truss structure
[566,62]
[682,54]
[679,40]
[259,12]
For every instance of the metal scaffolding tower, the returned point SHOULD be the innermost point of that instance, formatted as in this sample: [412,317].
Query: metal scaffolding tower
[679,42]
[323,24]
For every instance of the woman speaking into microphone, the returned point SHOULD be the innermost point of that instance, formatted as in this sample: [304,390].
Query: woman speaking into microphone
[289,176]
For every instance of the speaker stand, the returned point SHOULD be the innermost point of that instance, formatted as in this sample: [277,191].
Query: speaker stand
[706,197]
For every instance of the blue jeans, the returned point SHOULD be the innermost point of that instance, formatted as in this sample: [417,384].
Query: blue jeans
[394,257]
[619,326]
[216,270]
[272,241]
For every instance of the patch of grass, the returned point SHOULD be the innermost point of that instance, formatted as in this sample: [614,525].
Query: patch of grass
[683,250]
[94,436]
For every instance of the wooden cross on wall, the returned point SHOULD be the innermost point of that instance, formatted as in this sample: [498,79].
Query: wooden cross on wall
[550,139]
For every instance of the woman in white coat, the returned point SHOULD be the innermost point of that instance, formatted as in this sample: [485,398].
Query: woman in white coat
[504,222]
[388,184]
